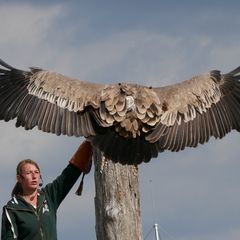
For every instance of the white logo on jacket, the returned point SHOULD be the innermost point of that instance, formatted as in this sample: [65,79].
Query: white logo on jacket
[45,207]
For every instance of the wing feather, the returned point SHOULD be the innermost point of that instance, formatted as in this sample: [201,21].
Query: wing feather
[234,108]
[57,124]
[29,113]
[5,100]
[42,112]
[63,122]
[204,128]
[181,137]
[208,125]
[9,105]
[53,120]
[48,118]
[21,111]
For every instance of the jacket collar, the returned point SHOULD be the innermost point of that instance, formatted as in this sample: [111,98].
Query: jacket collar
[18,202]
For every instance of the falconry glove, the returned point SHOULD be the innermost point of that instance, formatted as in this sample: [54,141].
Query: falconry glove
[82,159]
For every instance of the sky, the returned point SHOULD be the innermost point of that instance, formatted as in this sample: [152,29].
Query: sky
[193,194]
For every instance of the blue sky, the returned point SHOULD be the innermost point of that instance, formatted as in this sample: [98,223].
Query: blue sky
[193,194]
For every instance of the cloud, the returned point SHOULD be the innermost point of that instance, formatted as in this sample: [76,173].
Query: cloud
[33,24]
[25,29]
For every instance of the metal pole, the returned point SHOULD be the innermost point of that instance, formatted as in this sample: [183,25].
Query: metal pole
[156,231]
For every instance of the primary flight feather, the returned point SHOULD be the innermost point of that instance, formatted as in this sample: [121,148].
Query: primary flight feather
[129,123]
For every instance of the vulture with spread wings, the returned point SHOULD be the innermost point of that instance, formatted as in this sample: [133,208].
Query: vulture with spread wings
[129,123]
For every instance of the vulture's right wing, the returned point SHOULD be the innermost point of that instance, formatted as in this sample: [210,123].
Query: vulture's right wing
[53,102]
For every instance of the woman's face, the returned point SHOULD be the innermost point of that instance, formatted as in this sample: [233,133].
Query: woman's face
[29,177]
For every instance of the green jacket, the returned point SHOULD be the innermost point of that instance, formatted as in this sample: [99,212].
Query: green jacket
[22,221]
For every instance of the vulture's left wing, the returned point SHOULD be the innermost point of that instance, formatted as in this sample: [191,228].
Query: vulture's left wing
[194,110]
[51,101]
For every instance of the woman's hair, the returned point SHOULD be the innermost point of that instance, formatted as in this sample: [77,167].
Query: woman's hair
[18,187]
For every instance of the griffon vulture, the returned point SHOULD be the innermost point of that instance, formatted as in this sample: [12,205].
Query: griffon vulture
[129,123]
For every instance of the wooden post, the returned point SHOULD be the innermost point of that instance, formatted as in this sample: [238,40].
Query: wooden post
[117,200]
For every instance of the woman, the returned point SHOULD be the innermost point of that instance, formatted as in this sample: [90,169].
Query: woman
[31,213]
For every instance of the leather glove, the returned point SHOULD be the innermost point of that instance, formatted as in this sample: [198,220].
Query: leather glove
[82,158]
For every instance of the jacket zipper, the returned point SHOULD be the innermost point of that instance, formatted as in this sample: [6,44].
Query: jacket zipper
[40,226]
